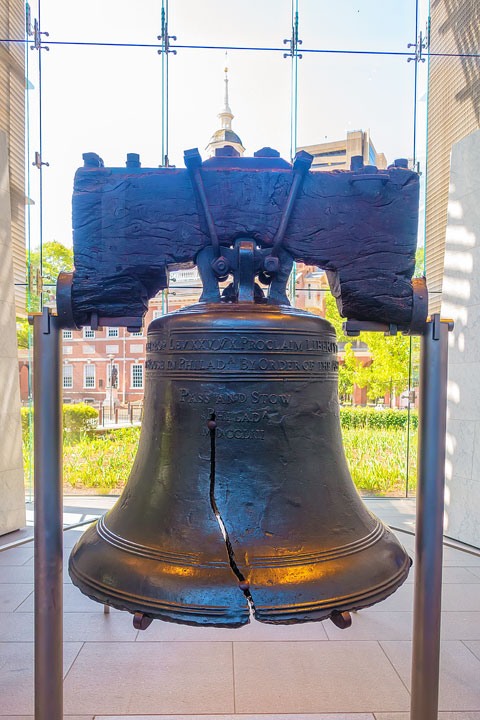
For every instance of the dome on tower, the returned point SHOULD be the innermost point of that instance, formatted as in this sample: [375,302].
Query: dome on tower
[225,136]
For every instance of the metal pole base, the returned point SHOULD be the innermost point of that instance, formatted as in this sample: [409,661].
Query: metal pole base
[429,525]
[48,546]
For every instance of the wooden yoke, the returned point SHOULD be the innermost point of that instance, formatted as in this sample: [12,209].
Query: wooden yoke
[132,225]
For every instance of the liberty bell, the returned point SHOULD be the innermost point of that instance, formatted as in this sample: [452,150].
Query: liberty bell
[240,501]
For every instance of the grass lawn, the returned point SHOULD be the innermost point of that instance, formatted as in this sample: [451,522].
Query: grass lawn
[377,459]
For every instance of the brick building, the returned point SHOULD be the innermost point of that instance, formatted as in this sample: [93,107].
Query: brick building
[91,356]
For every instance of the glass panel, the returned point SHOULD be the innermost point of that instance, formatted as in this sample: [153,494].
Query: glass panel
[108,21]
[247,23]
[259,98]
[180,297]
[109,100]
[373,394]
[109,105]
[373,94]
[377,25]
[370,112]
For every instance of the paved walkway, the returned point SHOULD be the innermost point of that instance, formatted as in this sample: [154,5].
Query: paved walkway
[299,672]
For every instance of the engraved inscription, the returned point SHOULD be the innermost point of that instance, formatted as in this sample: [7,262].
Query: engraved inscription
[263,399]
[188,364]
[237,433]
[242,343]
[234,420]
[243,364]
[275,355]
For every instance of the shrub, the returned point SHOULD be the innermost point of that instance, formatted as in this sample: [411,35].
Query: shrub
[77,419]
[365,417]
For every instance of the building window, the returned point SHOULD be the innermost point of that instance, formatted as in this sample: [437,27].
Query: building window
[88,332]
[112,349]
[138,334]
[89,401]
[137,376]
[67,376]
[157,314]
[89,376]
[67,349]
[136,349]
[112,332]
[330,153]
[88,349]
[67,334]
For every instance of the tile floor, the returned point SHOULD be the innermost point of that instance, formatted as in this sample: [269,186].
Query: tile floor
[299,672]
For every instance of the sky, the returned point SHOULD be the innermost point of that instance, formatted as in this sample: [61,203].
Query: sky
[108,99]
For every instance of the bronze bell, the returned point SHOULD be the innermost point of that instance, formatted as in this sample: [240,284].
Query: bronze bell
[240,500]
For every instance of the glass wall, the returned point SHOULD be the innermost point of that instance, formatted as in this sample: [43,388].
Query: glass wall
[116,77]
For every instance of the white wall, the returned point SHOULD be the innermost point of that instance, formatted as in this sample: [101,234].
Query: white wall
[12,494]
[461,302]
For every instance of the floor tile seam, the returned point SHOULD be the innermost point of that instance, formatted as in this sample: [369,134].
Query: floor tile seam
[82,644]
[268,716]
[469,570]
[379,642]
[234,690]
[250,640]
[464,643]
[24,600]
[32,642]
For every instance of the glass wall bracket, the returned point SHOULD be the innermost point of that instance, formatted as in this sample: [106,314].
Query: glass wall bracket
[420,45]
[293,40]
[37,37]
[165,51]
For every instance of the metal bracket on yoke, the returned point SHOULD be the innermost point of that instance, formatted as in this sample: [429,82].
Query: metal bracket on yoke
[245,276]
[272,264]
[301,166]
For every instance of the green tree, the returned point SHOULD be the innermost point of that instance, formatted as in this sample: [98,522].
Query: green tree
[55,257]
[419,262]
[333,316]
[22,333]
[347,372]
[388,371]
[347,368]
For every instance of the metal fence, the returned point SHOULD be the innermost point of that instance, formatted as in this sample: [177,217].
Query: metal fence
[130,415]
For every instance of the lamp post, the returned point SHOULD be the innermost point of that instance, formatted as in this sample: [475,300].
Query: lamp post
[110,357]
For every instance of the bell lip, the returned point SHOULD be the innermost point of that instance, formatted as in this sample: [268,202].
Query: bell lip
[193,615]
[286,616]
[197,616]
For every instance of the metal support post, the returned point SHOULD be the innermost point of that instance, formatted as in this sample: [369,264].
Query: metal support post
[47,396]
[429,525]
